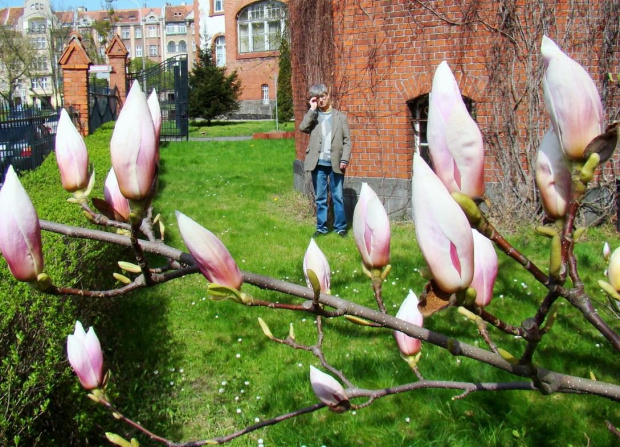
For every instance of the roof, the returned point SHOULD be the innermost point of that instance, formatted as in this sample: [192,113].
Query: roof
[179,13]
[10,16]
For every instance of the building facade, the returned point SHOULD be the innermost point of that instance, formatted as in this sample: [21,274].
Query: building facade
[379,58]
[154,34]
[244,36]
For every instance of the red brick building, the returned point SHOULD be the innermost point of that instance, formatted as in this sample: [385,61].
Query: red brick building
[245,36]
[379,57]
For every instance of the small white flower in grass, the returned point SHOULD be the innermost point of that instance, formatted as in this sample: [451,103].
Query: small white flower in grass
[238,410]
[239,340]
[407,420]
[300,365]
[238,356]
[224,382]
[236,398]
[246,382]
[221,390]
[156,372]
[256,420]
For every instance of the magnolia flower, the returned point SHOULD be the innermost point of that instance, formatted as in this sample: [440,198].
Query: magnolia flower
[133,147]
[114,198]
[20,233]
[211,256]
[485,269]
[572,101]
[454,140]
[553,176]
[442,230]
[155,110]
[613,270]
[84,353]
[327,389]
[71,155]
[316,261]
[606,251]
[409,312]
[371,229]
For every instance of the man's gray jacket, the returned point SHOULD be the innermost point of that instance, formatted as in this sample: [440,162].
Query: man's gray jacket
[341,139]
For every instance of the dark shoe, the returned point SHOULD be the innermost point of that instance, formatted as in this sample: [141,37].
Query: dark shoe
[342,233]
[318,233]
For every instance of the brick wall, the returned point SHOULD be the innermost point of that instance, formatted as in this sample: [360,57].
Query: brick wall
[385,52]
[75,63]
[254,69]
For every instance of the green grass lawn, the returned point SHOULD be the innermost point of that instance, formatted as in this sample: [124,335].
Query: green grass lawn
[189,368]
[235,128]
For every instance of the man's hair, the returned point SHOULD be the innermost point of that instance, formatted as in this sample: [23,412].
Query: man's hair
[318,90]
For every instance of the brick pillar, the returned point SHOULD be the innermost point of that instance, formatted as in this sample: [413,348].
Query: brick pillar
[117,59]
[74,63]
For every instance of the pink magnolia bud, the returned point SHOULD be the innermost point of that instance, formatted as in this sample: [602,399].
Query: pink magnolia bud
[211,256]
[371,229]
[410,313]
[327,389]
[454,140]
[316,261]
[155,110]
[85,356]
[571,99]
[442,230]
[613,270]
[485,269]
[20,233]
[71,155]
[606,251]
[553,176]
[133,148]
[114,198]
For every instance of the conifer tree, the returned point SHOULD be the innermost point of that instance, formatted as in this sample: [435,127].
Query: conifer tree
[212,93]
[285,89]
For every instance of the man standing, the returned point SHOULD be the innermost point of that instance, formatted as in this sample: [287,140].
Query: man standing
[327,157]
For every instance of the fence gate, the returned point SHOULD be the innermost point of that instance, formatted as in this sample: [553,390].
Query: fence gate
[103,105]
[170,81]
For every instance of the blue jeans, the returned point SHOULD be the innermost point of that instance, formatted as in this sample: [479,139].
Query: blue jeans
[319,181]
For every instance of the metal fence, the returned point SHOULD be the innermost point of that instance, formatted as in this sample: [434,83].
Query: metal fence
[27,136]
[103,103]
[170,79]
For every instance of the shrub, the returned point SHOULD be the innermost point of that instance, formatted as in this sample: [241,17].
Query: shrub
[35,378]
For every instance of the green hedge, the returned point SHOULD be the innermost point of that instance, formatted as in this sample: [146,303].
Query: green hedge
[40,398]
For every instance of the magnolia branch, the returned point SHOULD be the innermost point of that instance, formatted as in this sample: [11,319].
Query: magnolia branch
[547,381]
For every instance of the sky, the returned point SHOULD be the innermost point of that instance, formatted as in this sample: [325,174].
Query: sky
[94,5]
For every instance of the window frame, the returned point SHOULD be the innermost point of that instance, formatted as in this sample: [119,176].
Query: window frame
[219,43]
[260,27]
[265,94]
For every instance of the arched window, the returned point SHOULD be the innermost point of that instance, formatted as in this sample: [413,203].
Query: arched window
[419,119]
[171,48]
[220,51]
[260,26]
[182,47]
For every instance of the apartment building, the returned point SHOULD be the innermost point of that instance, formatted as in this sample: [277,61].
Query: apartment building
[153,33]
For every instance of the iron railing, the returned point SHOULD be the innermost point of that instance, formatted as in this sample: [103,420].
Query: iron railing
[27,136]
